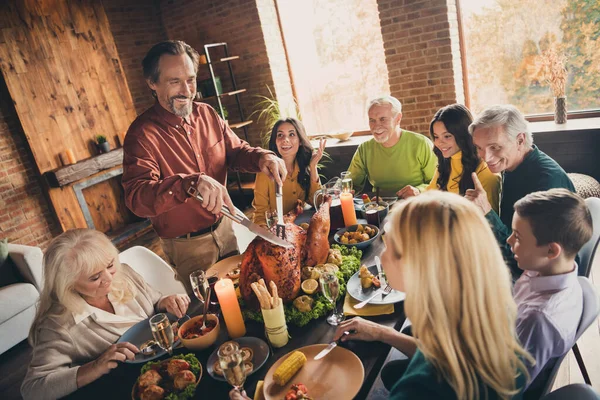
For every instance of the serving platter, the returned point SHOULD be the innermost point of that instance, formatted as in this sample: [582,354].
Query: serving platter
[359,293]
[135,394]
[259,347]
[338,375]
[141,333]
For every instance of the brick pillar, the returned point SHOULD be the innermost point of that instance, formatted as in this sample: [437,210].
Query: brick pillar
[418,44]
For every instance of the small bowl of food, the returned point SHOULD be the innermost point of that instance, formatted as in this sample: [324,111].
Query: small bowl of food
[194,337]
[360,236]
[375,211]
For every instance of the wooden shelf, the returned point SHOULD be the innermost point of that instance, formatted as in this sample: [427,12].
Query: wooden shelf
[224,94]
[82,169]
[240,124]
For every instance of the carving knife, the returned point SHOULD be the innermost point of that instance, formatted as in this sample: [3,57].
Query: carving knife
[239,217]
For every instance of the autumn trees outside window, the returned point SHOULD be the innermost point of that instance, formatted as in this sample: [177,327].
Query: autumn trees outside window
[337,61]
[505,41]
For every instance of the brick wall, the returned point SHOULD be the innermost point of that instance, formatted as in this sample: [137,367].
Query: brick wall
[419,56]
[25,216]
[237,23]
[136,26]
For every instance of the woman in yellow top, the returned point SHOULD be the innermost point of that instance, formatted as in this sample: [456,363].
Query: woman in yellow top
[289,141]
[457,156]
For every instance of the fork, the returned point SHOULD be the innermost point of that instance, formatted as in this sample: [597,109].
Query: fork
[385,291]
[280,227]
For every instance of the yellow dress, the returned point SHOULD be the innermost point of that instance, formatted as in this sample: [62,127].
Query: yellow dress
[491,182]
[264,194]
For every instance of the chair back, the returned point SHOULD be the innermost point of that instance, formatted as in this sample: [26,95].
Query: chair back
[155,271]
[573,391]
[589,250]
[591,310]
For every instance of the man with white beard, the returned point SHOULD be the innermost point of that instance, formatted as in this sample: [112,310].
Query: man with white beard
[396,161]
[177,144]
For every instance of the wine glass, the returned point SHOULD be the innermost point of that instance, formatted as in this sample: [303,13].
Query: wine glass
[201,288]
[232,364]
[346,181]
[162,331]
[330,287]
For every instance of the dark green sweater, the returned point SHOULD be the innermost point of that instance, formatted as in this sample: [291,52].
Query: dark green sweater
[422,381]
[537,172]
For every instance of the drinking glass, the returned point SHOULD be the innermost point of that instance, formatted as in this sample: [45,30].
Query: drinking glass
[330,286]
[200,285]
[162,331]
[212,277]
[346,181]
[232,364]
[271,217]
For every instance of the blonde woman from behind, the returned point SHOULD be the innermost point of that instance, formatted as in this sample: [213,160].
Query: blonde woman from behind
[442,253]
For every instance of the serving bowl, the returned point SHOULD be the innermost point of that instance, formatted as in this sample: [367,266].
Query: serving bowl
[201,342]
[353,228]
[375,211]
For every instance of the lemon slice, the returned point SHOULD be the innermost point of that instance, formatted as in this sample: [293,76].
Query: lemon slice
[310,286]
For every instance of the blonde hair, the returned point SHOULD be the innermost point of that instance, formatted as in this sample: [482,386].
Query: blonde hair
[71,255]
[458,294]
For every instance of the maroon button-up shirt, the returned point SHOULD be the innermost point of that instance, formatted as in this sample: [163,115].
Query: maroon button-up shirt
[163,154]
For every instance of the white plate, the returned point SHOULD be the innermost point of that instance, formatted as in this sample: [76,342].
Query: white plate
[358,293]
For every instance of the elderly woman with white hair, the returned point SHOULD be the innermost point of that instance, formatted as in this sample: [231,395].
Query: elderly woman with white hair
[88,301]
[504,141]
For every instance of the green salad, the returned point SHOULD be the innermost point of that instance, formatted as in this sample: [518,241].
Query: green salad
[195,367]
[350,264]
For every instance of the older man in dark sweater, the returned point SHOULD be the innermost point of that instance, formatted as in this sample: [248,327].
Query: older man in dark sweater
[503,139]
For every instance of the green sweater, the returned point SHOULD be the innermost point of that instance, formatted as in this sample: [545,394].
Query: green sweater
[422,381]
[537,172]
[409,162]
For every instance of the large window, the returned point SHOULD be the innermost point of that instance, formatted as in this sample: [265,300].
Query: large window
[505,40]
[335,52]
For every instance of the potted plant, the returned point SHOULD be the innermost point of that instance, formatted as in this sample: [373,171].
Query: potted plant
[103,145]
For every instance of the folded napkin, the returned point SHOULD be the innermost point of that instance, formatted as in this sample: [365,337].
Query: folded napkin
[368,310]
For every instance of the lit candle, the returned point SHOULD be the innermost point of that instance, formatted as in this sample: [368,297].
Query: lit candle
[348,209]
[71,156]
[230,308]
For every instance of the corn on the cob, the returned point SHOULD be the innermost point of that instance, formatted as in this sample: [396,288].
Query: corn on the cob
[258,394]
[289,367]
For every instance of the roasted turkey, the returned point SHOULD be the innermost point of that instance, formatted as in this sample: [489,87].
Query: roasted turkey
[263,259]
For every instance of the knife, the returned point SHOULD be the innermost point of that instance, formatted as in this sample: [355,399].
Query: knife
[237,216]
[331,346]
[380,272]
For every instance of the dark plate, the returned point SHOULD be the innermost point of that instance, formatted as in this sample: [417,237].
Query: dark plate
[352,228]
[358,293]
[140,333]
[259,347]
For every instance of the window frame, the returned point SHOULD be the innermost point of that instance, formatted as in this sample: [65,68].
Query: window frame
[591,113]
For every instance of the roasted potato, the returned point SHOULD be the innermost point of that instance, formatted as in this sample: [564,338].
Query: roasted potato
[303,303]
[310,273]
[334,257]
[149,378]
[153,392]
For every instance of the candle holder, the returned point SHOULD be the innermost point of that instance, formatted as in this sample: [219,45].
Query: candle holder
[275,326]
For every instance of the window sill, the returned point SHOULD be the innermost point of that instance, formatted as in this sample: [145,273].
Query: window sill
[353,141]
[570,125]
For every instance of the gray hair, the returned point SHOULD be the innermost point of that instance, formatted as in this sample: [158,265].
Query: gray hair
[385,100]
[506,116]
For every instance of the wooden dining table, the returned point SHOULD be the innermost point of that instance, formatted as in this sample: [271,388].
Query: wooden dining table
[119,382]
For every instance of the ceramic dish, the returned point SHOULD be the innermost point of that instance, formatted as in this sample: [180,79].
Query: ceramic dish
[258,346]
[141,333]
[338,375]
[360,294]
